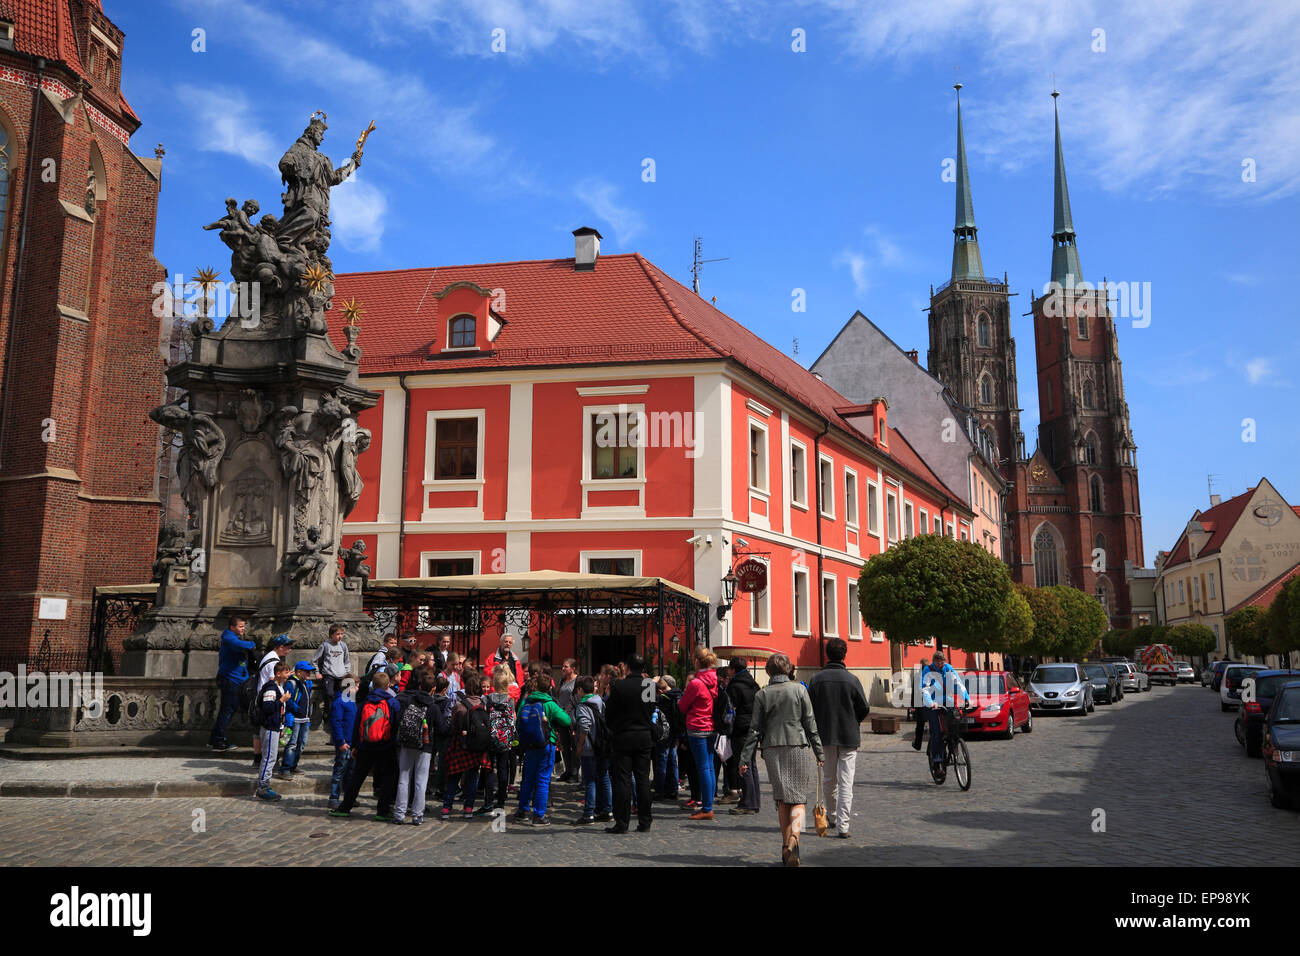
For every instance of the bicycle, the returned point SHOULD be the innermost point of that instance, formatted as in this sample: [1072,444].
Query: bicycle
[955,754]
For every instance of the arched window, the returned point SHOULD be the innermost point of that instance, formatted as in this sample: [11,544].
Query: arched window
[1083,326]
[1094,493]
[96,195]
[1046,566]
[462,332]
[982,330]
[986,390]
[1103,595]
[7,146]
[1100,543]
[1090,449]
[1087,395]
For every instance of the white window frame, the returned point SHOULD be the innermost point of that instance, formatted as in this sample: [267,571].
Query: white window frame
[924,523]
[873,509]
[461,348]
[590,484]
[762,600]
[826,465]
[765,471]
[952,531]
[1210,581]
[965,531]
[1196,589]
[1180,592]
[854,611]
[891,512]
[909,520]
[831,620]
[938,525]
[799,489]
[852,516]
[584,559]
[428,556]
[466,513]
[796,572]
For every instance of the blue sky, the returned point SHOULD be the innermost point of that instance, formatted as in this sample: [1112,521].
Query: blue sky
[817,170]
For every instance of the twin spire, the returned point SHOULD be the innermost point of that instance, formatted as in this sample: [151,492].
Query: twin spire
[966,262]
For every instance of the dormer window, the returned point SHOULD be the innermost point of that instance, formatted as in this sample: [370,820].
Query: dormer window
[461,332]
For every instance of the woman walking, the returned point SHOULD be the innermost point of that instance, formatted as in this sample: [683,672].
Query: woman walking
[697,704]
[784,724]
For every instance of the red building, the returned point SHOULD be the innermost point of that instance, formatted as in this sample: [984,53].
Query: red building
[81,370]
[592,414]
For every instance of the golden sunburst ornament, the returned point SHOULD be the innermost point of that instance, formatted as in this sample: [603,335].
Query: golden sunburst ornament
[206,278]
[352,312]
[316,277]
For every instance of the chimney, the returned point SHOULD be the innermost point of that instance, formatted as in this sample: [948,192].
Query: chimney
[1215,501]
[914,355]
[586,248]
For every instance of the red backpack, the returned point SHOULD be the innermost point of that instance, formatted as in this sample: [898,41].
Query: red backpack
[376,722]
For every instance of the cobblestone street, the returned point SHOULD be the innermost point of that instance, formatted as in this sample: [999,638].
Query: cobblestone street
[1164,767]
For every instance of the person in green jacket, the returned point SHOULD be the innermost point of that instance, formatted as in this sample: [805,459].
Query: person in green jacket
[539,715]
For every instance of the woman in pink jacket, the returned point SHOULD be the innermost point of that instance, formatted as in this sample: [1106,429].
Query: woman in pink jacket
[697,705]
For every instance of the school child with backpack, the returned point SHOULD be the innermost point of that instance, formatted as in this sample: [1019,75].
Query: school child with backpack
[272,699]
[501,716]
[417,733]
[665,751]
[297,714]
[593,754]
[375,749]
[539,715]
[471,744]
[342,718]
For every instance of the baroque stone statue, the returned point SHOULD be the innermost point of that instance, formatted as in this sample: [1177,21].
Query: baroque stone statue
[202,444]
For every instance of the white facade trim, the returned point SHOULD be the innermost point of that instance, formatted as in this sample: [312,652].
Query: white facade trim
[595,390]
[519,467]
[585,556]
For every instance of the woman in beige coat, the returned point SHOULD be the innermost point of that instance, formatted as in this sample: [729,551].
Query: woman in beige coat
[784,725]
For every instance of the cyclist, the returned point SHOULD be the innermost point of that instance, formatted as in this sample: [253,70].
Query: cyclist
[938,686]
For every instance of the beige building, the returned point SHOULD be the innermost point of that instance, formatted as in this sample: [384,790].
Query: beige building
[1226,555]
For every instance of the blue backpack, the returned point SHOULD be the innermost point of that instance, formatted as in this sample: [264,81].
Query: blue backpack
[534,728]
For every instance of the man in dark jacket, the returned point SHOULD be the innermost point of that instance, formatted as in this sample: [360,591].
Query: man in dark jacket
[629,712]
[839,707]
[740,691]
[232,672]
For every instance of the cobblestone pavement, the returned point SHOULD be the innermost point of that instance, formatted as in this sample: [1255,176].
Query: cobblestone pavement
[1164,766]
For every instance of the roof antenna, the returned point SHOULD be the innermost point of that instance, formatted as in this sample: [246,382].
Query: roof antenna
[697,262]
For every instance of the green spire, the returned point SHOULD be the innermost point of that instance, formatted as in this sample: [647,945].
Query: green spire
[965,247]
[1065,256]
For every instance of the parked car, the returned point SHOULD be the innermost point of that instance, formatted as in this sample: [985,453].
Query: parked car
[1207,673]
[1060,687]
[1257,693]
[1105,682]
[1186,672]
[1230,691]
[1002,704]
[1216,675]
[1131,678]
[1282,746]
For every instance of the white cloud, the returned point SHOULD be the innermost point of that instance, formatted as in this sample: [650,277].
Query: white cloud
[357,211]
[601,197]
[225,123]
[1258,370]
[857,264]
[881,252]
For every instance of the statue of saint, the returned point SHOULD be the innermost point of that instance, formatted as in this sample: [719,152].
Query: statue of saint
[308,176]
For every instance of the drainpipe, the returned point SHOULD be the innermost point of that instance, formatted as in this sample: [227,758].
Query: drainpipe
[406,445]
[22,246]
[821,624]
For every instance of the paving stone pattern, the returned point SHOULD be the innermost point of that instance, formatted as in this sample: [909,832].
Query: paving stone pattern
[1164,766]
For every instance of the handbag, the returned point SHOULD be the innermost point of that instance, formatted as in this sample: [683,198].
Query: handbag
[723,748]
[819,809]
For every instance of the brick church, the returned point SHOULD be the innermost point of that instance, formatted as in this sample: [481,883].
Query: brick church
[81,368]
[1072,514]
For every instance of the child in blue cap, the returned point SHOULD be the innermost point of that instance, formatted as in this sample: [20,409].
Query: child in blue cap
[297,715]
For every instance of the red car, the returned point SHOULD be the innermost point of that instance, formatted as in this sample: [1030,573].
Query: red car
[1001,704]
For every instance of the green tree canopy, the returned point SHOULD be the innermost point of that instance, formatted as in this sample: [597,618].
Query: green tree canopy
[1144,635]
[934,586]
[1113,642]
[1085,621]
[1283,620]
[1049,621]
[1189,639]
[1246,631]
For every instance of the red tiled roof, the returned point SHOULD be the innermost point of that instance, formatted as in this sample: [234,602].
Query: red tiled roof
[1219,521]
[44,28]
[626,310]
[1265,595]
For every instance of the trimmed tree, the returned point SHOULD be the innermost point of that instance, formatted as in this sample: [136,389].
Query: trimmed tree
[1283,621]
[1112,642]
[1085,621]
[1190,639]
[1049,621]
[932,586]
[1246,631]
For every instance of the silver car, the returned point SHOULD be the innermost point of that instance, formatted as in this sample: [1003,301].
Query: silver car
[1060,687]
[1132,679]
[1186,672]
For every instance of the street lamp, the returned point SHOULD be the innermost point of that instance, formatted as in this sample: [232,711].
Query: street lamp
[728,595]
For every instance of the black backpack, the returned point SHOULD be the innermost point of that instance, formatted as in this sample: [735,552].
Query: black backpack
[724,714]
[248,702]
[478,730]
[413,726]
[662,727]
[601,746]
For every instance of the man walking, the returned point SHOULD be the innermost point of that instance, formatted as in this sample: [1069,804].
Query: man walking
[740,691]
[334,662]
[630,714]
[839,706]
[232,673]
